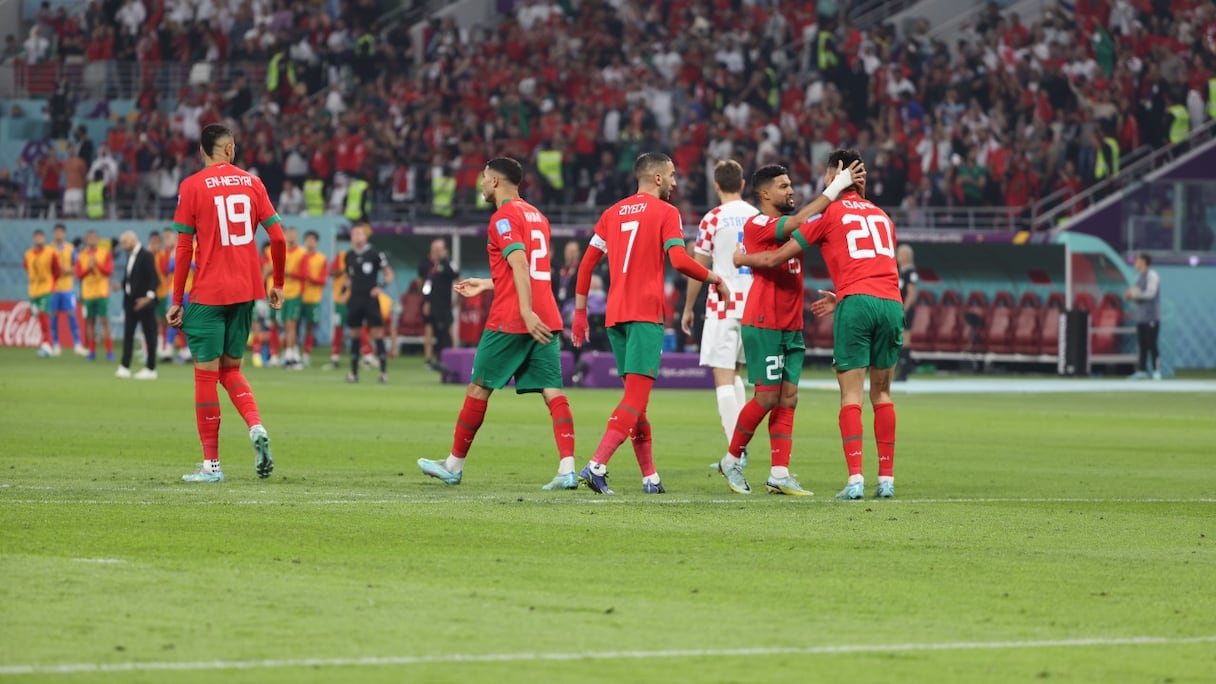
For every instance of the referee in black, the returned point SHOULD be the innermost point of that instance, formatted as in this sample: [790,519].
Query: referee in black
[367,275]
[908,280]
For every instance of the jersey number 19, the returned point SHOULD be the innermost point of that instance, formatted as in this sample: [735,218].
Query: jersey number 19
[234,211]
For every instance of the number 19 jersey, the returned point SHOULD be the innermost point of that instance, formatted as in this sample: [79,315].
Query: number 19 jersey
[857,240]
[774,300]
[636,233]
[222,206]
[518,226]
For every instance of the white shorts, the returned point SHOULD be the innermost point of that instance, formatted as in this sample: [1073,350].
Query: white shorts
[721,343]
[73,202]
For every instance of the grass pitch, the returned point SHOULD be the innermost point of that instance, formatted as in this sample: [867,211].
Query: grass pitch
[1034,537]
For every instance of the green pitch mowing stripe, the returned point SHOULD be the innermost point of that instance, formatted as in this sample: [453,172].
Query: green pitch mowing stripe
[456,658]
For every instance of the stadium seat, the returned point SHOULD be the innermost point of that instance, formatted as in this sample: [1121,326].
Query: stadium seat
[948,324]
[975,319]
[473,314]
[998,329]
[1056,300]
[1110,300]
[921,331]
[1083,301]
[1026,334]
[410,323]
[1105,317]
[1049,324]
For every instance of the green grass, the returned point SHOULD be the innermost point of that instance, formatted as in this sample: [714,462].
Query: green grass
[1019,518]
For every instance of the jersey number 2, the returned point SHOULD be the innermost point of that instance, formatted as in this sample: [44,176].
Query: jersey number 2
[234,211]
[872,226]
[539,251]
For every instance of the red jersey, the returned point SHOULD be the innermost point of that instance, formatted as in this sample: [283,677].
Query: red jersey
[774,300]
[636,233]
[222,207]
[857,240]
[518,225]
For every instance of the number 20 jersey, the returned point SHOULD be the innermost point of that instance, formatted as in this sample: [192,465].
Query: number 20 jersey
[857,240]
[222,206]
[519,226]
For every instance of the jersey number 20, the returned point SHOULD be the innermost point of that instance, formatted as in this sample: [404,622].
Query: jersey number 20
[875,227]
[234,212]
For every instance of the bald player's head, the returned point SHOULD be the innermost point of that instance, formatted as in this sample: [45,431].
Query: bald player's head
[128,240]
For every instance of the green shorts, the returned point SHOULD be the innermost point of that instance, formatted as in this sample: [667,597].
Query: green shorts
[291,309]
[212,331]
[310,313]
[637,348]
[501,356]
[340,313]
[773,356]
[40,304]
[97,308]
[867,332]
[162,307]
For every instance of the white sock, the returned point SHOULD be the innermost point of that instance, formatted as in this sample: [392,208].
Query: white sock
[857,479]
[598,468]
[886,478]
[729,461]
[453,464]
[779,472]
[211,466]
[728,409]
[565,466]
[740,391]
[653,479]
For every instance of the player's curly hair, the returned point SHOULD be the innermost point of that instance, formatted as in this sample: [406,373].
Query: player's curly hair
[765,175]
[843,156]
[508,168]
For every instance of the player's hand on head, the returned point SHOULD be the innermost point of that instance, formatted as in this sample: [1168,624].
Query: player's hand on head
[857,171]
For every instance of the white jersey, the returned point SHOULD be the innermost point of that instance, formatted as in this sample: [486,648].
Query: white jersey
[721,230]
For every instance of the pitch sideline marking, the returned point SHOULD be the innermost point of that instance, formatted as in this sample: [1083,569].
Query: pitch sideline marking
[431,501]
[454,658]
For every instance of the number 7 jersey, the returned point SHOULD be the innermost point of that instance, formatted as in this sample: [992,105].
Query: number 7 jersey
[222,206]
[857,240]
[636,234]
[519,226]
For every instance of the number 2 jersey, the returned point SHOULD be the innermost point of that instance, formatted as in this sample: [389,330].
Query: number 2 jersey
[774,300]
[222,206]
[519,226]
[636,233]
[857,240]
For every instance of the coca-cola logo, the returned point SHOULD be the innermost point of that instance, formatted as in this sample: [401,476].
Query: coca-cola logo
[17,327]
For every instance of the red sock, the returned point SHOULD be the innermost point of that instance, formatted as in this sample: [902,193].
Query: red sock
[241,395]
[309,341]
[781,434]
[365,345]
[624,420]
[44,322]
[109,345]
[884,435]
[745,426]
[642,447]
[93,345]
[336,346]
[472,414]
[274,341]
[207,412]
[850,436]
[563,426]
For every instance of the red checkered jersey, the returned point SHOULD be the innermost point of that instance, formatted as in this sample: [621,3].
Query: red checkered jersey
[775,298]
[518,226]
[636,233]
[222,206]
[721,229]
[857,240]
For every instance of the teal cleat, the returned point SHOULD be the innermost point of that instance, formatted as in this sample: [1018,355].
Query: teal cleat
[202,475]
[436,470]
[734,478]
[262,463]
[886,489]
[567,481]
[788,486]
[853,492]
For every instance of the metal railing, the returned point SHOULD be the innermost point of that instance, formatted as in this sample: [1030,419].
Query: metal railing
[122,80]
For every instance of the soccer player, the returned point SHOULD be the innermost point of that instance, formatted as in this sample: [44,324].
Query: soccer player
[293,302]
[721,346]
[522,335]
[42,269]
[274,317]
[163,252]
[340,291]
[63,300]
[772,334]
[222,206]
[94,267]
[636,232]
[857,240]
[365,265]
[909,280]
[313,273]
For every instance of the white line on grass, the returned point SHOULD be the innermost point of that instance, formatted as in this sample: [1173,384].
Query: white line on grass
[85,668]
[588,501]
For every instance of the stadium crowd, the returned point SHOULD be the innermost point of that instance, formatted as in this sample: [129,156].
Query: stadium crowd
[342,119]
